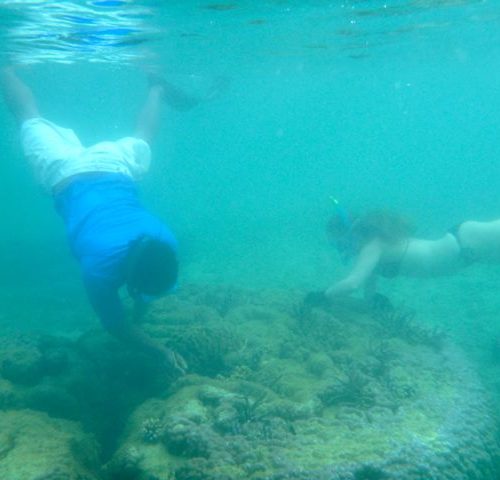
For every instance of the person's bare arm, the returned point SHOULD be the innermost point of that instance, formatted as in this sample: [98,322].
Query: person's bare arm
[363,269]
[132,335]
[108,306]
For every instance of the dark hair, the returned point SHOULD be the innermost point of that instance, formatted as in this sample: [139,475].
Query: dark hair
[387,226]
[152,266]
[339,224]
[350,233]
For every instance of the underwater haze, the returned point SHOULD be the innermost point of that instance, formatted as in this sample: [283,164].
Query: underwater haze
[388,104]
[392,104]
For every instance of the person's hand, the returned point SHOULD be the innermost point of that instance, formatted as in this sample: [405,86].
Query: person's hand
[174,363]
[315,299]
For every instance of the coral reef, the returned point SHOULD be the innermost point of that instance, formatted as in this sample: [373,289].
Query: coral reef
[35,446]
[152,430]
[203,347]
[400,322]
[353,389]
[323,395]
[275,391]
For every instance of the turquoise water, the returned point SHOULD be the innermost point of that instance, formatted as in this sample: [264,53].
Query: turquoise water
[393,104]
[376,104]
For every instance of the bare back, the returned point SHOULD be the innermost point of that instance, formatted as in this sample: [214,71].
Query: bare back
[431,258]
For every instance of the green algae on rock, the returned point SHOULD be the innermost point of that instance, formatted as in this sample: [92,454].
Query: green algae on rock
[275,392]
[35,446]
[324,394]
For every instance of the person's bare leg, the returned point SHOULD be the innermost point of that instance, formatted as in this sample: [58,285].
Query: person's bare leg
[18,96]
[160,91]
[173,96]
[148,120]
[483,238]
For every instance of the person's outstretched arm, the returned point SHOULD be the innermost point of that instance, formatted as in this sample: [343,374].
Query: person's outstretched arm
[18,96]
[363,269]
[109,309]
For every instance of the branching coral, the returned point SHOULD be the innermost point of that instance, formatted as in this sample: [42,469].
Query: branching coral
[152,429]
[351,390]
[204,348]
[248,408]
[398,322]
[317,328]
[183,437]
[223,300]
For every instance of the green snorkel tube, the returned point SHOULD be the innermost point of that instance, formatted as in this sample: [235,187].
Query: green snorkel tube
[343,244]
[342,213]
